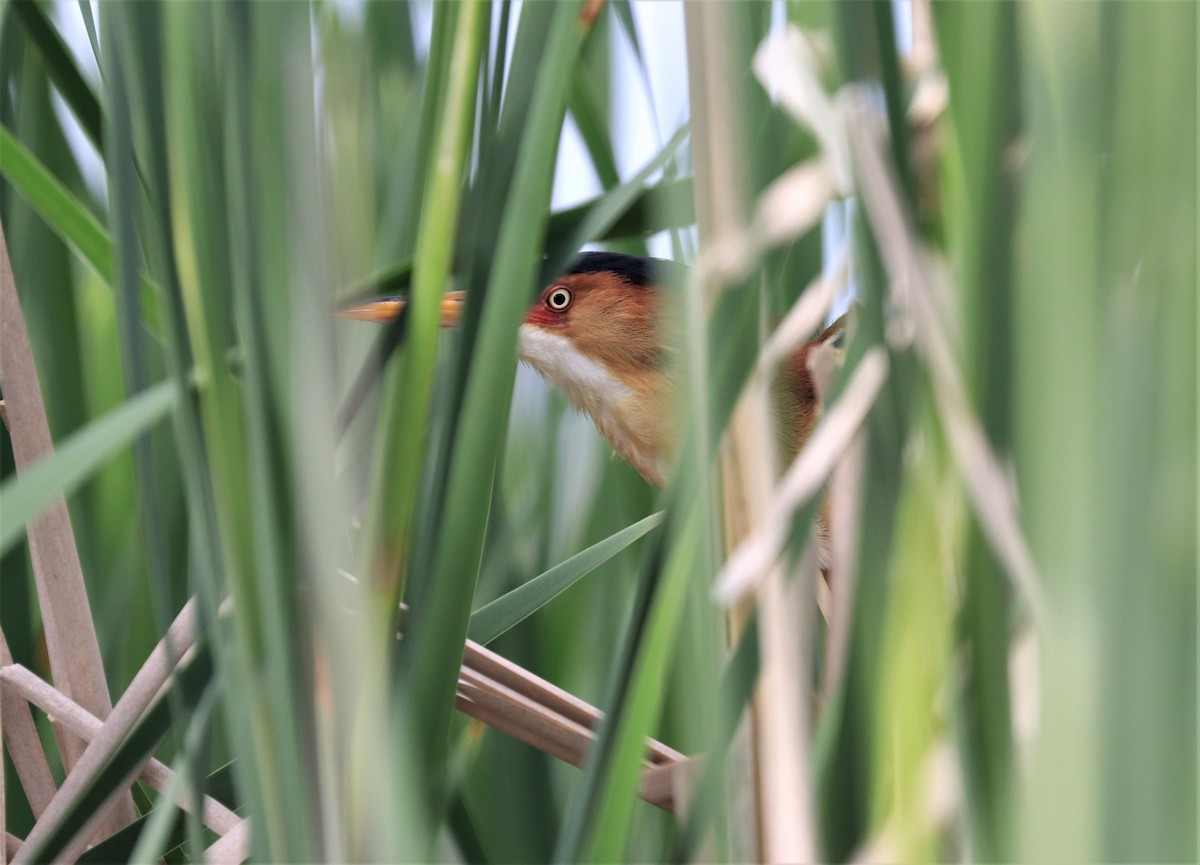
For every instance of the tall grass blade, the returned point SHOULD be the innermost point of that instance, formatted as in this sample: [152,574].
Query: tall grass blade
[23,498]
[407,409]
[63,70]
[1104,436]
[609,208]
[981,56]
[439,626]
[62,212]
[493,619]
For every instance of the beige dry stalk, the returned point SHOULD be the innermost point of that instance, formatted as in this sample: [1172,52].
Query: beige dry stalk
[84,724]
[70,632]
[771,758]
[145,685]
[232,848]
[913,293]
[24,744]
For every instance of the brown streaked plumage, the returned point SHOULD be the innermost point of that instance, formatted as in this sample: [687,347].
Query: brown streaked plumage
[594,334]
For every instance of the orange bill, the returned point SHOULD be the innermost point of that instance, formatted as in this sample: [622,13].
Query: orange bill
[387,308]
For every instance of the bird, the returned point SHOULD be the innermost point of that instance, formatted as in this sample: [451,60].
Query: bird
[595,332]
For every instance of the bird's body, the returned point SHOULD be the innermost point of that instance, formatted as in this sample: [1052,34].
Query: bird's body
[595,334]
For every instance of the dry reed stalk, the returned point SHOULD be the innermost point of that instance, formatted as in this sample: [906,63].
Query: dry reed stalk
[528,722]
[145,685]
[786,619]
[502,695]
[924,54]
[71,643]
[804,479]
[544,703]
[24,744]
[549,696]
[232,848]
[746,471]
[491,689]
[83,723]
[670,785]
[803,319]
[548,730]
[991,493]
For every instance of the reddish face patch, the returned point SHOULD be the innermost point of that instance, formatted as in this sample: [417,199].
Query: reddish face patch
[552,306]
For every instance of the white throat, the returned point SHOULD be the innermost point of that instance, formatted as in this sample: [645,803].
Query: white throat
[593,389]
[588,385]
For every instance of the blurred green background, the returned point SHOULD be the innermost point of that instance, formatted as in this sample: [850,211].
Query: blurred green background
[191,189]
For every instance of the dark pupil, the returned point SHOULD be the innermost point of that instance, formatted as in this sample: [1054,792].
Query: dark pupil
[558,299]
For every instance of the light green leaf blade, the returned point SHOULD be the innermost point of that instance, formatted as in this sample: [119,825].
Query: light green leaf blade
[438,626]
[61,210]
[493,619]
[608,208]
[24,497]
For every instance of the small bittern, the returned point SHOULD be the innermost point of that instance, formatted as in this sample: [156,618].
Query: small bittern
[595,333]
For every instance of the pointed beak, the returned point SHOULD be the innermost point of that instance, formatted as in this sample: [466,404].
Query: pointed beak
[387,308]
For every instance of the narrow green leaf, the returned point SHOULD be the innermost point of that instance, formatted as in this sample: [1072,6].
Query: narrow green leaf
[623,9]
[439,625]
[24,497]
[637,707]
[492,620]
[66,215]
[738,681]
[982,60]
[63,71]
[668,204]
[603,763]
[61,210]
[407,407]
[89,24]
[256,489]
[605,211]
[393,279]
[185,781]
[633,210]
[589,106]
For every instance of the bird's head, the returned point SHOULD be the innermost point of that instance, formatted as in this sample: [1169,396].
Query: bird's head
[600,318]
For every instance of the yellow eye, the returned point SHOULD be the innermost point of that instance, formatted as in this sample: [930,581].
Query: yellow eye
[559,299]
